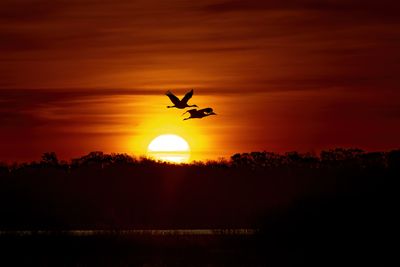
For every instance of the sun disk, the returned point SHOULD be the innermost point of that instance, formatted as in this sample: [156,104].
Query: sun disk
[169,147]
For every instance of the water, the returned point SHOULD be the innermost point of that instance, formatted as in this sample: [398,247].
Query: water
[150,247]
[134,232]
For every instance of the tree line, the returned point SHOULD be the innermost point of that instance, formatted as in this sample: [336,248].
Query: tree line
[332,158]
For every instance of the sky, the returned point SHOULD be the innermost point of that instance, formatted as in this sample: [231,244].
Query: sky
[90,75]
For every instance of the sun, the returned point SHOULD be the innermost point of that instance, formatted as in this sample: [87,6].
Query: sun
[169,147]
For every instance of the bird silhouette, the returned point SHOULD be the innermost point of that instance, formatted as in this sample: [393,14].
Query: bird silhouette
[181,104]
[198,114]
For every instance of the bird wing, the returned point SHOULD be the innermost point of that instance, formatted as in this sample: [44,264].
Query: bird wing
[173,98]
[192,111]
[188,96]
[206,110]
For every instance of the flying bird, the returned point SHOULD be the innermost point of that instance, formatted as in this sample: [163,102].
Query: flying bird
[198,114]
[181,104]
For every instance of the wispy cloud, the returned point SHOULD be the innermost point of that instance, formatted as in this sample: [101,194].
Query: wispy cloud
[144,44]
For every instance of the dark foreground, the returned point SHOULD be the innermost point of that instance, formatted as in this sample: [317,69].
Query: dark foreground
[130,250]
[345,231]
[342,231]
[183,250]
[333,210]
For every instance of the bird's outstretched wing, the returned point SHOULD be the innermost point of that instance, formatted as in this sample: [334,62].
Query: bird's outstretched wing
[206,110]
[173,98]
[191,111]
[188,96]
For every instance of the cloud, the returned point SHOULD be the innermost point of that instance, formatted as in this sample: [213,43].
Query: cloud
[55,109]
[27,11]
[356,7]
[213,44]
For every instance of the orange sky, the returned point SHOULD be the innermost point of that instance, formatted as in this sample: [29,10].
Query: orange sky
[78,76]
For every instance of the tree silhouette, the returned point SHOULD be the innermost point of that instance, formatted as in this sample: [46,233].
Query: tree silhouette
[49,158]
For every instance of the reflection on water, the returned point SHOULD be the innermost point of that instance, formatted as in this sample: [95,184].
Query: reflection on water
[149,232]
[114,248]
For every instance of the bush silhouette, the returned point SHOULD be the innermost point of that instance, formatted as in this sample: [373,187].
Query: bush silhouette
[101,190]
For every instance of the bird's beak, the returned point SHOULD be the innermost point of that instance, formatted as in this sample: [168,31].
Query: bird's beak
[213,113]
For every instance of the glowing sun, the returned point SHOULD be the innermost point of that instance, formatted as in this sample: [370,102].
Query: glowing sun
[169,147]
